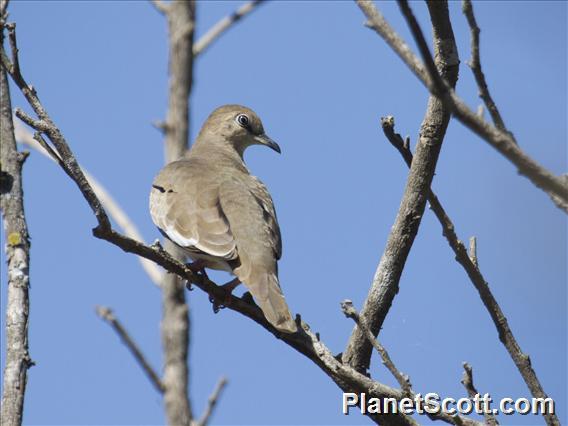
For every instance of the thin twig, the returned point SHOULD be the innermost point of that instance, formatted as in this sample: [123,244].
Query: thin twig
[46,125]
[504,142]
[212,402]
[469,263]
[223,25]
[107,315]
[438,84]
[402,379]
[475,65]
[160,6]
[473,251]
[467,382]
[113,208]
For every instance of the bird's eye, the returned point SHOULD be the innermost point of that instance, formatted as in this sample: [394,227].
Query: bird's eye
[243,120]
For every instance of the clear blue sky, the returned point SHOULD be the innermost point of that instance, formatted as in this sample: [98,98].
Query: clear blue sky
[320,80]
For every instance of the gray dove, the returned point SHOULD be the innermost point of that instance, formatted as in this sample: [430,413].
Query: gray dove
[209,204]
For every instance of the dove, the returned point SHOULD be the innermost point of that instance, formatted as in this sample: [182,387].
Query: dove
[209,204]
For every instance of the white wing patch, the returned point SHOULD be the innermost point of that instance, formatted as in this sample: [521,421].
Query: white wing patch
[179,239]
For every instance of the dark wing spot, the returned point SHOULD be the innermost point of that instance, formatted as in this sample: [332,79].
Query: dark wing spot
[162,189]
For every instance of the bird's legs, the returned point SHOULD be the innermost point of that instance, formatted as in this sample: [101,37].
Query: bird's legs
[198,266]
[228,289]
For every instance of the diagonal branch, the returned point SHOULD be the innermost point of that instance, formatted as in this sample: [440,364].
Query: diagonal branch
[212,402]
[475,65]
[113,208]
[402,379]
[108,316]
[160,6]
[469,263]
[386,280]
[223,25]
[46,125]
[305,341]
[467,382]
[504,142]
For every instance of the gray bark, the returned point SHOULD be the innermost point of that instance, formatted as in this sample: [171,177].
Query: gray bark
[386,280]
[18,257]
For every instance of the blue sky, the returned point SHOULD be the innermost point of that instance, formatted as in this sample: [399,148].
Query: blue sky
[320,81]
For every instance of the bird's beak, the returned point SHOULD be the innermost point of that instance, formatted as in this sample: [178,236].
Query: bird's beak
[265,140]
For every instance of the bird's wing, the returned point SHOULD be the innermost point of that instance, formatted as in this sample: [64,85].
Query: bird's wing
[184,204]
[253,223]
[263,197]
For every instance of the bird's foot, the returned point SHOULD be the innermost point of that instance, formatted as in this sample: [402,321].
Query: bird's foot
[227,289]
[197,267]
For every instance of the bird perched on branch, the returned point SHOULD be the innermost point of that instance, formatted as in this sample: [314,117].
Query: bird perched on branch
[209,204]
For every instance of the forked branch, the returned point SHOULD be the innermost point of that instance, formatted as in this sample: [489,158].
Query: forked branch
[470,264]
[433,129]
[304,341]
[504,142]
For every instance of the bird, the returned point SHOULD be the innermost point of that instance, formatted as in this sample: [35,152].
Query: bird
[209,204]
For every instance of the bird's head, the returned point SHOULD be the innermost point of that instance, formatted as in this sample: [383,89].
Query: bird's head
[238,126]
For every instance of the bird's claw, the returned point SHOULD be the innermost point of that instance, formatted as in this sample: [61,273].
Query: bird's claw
[197,267]
[216,305]
[226,299]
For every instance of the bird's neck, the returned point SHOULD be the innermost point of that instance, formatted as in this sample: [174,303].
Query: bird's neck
[219,152]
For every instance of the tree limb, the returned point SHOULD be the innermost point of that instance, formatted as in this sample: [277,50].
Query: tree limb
[223,25]
[475,65]
[467,382]
[386,280]
[17,359]
[469,263]
[504,142]
[108,316]
[160,6]
[113,208]
[402,379]
[304,341]
[212,402]
[175,325]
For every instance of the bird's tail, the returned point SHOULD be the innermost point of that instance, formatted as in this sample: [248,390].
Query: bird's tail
[266,290]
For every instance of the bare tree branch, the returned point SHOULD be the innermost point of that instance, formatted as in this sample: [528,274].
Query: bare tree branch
[45,125]
[175,326]
[467,382]
[160,6]
[386,280]
[113,208]
[304,341]
[504,142]
[473,251]
[108,316]
[17,359]
[223,25]
[402,379]
[475,65]
[469,263]
[3,10]
[212,402]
